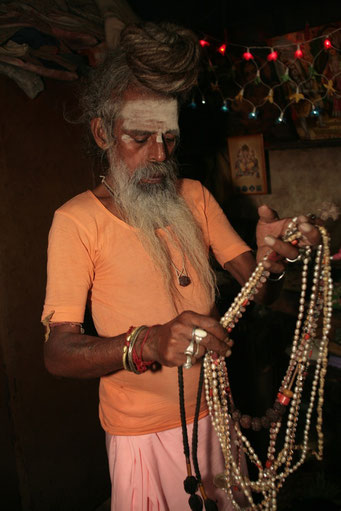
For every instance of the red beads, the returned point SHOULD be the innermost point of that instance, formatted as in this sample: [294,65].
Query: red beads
[284,400]
[284,397]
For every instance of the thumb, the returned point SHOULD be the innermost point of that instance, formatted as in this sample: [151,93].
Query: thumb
[266,214]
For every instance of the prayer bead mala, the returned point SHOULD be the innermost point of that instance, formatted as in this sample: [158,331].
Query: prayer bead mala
[225,417]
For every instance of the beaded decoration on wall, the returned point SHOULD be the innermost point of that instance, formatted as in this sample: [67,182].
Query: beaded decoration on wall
[286,452]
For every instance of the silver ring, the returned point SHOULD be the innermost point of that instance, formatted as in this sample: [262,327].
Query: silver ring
[189,351]
[198,334]
[293,260]
[198,349]
[188,364]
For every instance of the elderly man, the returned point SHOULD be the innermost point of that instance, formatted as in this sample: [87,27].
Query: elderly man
[135,250]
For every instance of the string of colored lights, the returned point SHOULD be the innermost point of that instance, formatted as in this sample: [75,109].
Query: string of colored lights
[313,87]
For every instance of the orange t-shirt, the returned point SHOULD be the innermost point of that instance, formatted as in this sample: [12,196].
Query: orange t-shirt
[97,258]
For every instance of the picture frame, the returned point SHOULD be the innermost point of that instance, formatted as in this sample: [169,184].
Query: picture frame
[247,164]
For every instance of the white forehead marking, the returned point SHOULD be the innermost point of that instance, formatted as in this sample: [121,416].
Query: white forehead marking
[159,138]
[160,115]
[126,138]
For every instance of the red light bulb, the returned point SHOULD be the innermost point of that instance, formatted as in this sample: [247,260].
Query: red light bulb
[298,53]
[273,55]
[247,55]
[327,44]
[222,49]
[204,43]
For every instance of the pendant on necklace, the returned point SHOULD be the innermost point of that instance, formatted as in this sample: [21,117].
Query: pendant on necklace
[184,280]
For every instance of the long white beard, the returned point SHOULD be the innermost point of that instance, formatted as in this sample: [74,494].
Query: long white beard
[152,206]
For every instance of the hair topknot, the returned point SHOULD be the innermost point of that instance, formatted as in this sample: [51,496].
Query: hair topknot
[163,57]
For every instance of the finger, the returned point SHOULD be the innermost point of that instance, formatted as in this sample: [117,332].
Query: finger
[310,233]
[229,342]
[275,267]
[213,344]
[267,214]
[282,248]
[274,257]
[210,325]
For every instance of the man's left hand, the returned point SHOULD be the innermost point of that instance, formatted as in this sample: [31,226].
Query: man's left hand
[271,228]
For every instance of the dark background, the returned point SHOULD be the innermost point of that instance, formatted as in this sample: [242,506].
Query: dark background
[240,21]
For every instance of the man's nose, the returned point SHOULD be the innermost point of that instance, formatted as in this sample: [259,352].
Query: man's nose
[158,149]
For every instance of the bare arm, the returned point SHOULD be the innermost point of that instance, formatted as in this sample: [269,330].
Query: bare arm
[71,354]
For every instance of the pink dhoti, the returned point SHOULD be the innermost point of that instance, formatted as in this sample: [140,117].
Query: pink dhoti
[147,471]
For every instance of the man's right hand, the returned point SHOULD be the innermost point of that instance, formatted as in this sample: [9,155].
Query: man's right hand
[167,343]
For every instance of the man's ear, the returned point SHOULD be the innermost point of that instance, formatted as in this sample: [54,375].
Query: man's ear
[99,133]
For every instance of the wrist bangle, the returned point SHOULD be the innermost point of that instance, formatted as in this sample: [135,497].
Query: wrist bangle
[275,277]
[133,338]
[126,346]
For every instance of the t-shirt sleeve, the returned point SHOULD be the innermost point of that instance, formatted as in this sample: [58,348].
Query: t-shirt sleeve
[224,241]
[70,269]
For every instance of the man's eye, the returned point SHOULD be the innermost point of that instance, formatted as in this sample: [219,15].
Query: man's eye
[140,140]
[170,139]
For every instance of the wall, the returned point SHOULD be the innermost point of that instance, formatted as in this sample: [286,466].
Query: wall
[300,181]
[53,456]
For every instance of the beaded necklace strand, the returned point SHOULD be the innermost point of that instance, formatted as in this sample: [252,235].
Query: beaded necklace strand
[225,417]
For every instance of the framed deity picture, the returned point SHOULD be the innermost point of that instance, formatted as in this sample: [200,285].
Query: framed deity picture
[247,164]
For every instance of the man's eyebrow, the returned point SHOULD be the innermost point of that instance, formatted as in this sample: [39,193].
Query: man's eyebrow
[173,132]
[141,133]
[138,132]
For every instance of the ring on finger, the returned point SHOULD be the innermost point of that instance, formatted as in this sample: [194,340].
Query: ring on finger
[198,349]
[188,364]
[189,351]
[293,260]
[198,334]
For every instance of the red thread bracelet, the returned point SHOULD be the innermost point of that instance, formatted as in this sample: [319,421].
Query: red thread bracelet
[140,364]
[126,341]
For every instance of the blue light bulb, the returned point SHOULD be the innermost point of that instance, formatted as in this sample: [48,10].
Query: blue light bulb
[314,112]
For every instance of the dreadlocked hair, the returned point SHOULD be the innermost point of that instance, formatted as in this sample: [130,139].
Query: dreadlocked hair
[161,58]
[164,58]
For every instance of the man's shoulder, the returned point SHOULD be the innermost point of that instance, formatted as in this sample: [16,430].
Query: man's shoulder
[192,190]
[79,202]
[190,186]
[84,209]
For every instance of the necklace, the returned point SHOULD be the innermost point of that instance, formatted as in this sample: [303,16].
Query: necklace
[107,186]
[284,455]
[183,278]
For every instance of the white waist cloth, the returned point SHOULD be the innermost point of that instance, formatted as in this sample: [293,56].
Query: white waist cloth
[147,471]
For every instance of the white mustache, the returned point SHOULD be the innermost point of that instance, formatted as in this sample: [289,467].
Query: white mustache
[164,169]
